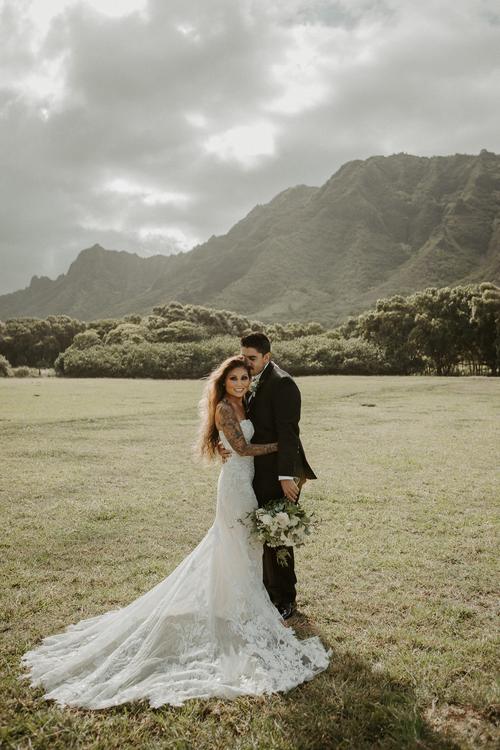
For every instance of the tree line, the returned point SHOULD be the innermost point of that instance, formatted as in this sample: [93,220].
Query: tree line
[443,331]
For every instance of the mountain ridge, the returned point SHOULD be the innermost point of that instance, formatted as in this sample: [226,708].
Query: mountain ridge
[377,227]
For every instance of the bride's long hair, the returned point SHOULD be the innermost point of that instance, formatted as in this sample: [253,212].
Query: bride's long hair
[208,435]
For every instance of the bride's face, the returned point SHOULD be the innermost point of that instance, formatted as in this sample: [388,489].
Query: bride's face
[237,382]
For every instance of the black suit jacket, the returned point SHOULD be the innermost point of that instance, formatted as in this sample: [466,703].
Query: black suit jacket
[275,413]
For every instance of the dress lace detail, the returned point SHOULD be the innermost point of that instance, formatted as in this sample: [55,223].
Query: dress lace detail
[208,629]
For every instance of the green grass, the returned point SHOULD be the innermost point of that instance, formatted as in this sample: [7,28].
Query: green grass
[101,498]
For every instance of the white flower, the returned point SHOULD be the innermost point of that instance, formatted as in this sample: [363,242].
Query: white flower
[266,519]
[254,384]
[293,521]
[282,519]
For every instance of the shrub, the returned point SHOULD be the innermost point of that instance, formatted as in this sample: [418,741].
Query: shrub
[309,355]
[5,369]
[126,333]
[92,362]
[103,325]
[24,372]
[327,355]
[147,360]
[181,330]
[59,364]
[86,340]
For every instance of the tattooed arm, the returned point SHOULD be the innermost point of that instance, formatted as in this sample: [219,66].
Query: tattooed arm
[227,421]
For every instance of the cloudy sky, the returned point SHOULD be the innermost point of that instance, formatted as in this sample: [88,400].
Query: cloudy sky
[149,125]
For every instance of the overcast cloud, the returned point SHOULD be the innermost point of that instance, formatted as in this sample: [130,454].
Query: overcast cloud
[149,125]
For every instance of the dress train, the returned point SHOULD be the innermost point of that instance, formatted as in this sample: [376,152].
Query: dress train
[208,629]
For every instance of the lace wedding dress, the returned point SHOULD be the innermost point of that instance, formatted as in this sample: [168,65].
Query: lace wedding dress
[208,629]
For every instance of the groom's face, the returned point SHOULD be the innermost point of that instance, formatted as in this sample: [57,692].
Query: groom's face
[255,359]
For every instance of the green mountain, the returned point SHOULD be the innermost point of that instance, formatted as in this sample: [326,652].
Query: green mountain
[377,227]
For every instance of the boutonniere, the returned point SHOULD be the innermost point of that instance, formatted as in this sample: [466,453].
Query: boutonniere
[253,387]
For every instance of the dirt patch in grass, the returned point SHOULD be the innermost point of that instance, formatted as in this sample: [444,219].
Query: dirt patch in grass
[468,726]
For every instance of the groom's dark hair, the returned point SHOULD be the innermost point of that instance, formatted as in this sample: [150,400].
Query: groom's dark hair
[257,341]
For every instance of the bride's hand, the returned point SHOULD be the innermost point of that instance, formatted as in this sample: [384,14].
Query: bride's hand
[223,451]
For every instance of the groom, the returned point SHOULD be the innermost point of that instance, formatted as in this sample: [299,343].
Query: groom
[273,405]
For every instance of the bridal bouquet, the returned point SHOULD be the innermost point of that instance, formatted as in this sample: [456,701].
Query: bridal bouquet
[281,523]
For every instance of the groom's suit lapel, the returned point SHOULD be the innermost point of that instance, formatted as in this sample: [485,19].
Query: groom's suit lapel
[265,377]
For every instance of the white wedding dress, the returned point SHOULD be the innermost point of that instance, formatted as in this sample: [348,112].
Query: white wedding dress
[208,629]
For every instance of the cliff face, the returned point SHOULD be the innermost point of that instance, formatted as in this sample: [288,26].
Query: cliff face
[377,227]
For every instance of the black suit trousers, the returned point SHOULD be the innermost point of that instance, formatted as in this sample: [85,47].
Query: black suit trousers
[280,580]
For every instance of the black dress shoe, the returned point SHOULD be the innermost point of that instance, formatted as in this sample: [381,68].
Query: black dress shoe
[285,610]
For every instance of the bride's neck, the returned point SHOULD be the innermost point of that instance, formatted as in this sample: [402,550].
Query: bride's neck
[234,400]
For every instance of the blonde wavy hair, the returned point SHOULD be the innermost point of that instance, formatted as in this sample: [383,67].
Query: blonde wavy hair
[208,435]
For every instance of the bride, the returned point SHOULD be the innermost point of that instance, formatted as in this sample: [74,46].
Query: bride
[209,628]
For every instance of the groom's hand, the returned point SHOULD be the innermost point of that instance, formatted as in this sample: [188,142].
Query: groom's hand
[223,452]
[290,490]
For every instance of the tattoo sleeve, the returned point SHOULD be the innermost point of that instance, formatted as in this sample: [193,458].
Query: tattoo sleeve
[229,424]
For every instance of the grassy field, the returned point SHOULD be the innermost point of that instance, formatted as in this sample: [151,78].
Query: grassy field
[101,498]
